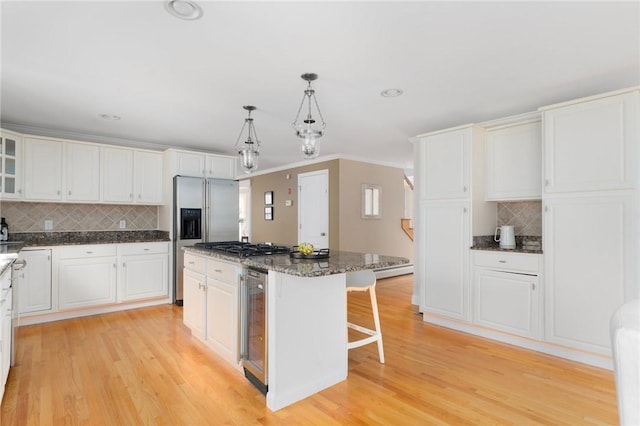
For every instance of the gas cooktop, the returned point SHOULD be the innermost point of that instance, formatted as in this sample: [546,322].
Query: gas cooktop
[242,249]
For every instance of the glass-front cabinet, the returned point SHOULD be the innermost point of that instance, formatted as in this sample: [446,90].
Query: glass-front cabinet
[10,165]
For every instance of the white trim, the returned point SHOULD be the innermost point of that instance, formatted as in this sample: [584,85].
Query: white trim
[595,360]
[589,98]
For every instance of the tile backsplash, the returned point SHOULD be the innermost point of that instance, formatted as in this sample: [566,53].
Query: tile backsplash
[30,217]
[525,216]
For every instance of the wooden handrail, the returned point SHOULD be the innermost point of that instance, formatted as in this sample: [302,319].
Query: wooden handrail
[407,227]
[406,179]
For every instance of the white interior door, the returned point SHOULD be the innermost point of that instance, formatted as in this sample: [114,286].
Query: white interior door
[313,208]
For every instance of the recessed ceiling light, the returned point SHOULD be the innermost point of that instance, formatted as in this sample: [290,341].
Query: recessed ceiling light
[183,9]
[110,117]
[391,93]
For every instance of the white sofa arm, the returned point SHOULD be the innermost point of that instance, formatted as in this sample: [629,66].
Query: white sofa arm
[625,339]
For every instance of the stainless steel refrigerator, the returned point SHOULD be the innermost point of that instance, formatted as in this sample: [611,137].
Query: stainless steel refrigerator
[205,210]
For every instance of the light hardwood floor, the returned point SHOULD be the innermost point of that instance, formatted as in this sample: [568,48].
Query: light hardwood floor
[142,367]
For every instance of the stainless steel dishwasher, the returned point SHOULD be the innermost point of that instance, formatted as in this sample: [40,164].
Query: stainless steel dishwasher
[254,327]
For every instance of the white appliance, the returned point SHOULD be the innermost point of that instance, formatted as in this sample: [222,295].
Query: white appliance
[506,237]
[205,210]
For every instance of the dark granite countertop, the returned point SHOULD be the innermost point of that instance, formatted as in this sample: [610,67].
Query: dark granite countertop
[338,262]
[524,244]
[31,239]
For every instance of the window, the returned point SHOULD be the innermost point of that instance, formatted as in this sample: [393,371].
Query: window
[371,196]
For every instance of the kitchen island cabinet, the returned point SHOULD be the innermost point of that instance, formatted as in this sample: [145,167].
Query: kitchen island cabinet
[306,317]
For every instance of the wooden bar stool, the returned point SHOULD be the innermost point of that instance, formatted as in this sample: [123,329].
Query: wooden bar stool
[363,281]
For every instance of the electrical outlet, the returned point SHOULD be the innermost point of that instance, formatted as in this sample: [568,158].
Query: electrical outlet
[123,224]
[48,225]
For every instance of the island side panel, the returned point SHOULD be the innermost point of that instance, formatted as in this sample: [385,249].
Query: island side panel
[307,336]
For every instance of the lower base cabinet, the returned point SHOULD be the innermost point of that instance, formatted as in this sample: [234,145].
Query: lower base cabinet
[194,302]
[86,282]
[143,271]
[34,282]
[211,304]
[5,329]
[506,292]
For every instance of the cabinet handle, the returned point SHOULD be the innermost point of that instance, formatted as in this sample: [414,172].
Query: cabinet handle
[58,192]
[218,270]
[191,262]
[115,266]
[89,252]
[139,196]
[502,261]
[131,196]
[148,250]
[546,182]
[533,286]
[19,191]
[69,192]
[464,189]
[464,210]
[124,264]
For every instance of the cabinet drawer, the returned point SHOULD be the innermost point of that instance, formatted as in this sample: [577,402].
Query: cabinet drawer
[511,261]
[194,263]
[143,248]
[222,271]
[80,252]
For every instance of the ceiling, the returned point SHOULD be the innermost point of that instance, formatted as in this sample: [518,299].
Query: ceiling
[178,83]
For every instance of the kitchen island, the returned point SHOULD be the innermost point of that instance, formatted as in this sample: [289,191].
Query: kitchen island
[306,318]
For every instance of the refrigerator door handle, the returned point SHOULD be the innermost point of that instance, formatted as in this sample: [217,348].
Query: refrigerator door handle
[205,211]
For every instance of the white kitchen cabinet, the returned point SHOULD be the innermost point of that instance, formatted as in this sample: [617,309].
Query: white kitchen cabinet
[117,174]
[222,309]
[506,292]
[592,144]
[148,177]
[87,276]
[6,301]
[42,169]
[445,160]
[34,282]
[444,262]
[220,167]
[194,299]
[144,271]
[590,267]
[82,172]
[514,162]
[190,164]
[10,165]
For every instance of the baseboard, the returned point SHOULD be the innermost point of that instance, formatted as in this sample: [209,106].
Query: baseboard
[394,271]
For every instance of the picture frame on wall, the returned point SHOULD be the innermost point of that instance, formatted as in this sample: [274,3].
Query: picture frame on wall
[268,198]
[268,213]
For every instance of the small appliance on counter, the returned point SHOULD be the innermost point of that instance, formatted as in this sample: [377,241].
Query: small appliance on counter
[4,230]
[506,237]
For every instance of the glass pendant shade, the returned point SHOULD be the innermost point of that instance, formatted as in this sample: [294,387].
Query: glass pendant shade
[250,152]
[249,158]
[309,130]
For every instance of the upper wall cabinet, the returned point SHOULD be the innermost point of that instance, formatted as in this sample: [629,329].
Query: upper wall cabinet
[514,162]
[130,176]
[148,177]
[10,165]
[188,163]
[42,169]
[82,172]
[445,161]
[591,144]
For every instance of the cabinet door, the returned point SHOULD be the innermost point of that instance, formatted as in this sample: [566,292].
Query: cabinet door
[5,337]
[86,282]
[42,169]
[507,302]
[589,268]
[143,277]
[10,165]
[445,165]
[445,241]
[117,175]
[82,172]
[592,146]
[222,319]
[514,162]
[190,164]
[220,167]
[194,301]
[148,177]
[34,282]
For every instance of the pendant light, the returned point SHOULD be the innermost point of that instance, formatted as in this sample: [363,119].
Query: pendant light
[309,131]
[250,150]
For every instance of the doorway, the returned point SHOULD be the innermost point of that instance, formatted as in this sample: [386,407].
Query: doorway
[313,208]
